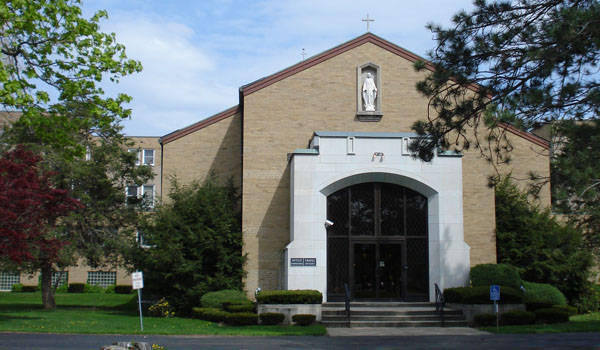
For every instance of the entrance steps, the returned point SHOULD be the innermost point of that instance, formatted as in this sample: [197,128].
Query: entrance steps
[392,314]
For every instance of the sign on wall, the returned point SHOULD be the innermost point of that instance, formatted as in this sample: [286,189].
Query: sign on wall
[303,261]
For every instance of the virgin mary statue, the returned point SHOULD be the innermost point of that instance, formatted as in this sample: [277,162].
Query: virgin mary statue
[369,93]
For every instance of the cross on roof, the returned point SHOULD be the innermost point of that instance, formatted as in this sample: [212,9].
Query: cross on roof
[368,20]
[303,54]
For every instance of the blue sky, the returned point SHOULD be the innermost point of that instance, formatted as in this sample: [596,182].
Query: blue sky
[196,54]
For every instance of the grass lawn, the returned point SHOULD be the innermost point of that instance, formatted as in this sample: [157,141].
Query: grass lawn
[579,323]
[113,314]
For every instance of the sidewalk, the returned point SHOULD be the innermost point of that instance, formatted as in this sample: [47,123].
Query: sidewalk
[401,331]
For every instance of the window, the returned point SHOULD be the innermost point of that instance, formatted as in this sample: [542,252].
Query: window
[148,157]
[138,154]
[64,277]
[7,279]
[141,240]
[148,195]
[132,194]
[101,278]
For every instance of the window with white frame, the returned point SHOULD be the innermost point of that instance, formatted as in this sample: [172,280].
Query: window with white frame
[138,154]
[60,277]
[132,194]
[148,157]
[102,278]
[144,193]
[141,241]
[7,279]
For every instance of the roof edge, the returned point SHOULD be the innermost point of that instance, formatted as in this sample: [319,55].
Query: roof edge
[177,134]
[526,135]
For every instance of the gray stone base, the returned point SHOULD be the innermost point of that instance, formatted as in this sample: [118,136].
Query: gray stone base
[369,116]
[291,309]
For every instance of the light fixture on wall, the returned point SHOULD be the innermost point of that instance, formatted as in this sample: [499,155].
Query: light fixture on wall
[328,223]
[378,154]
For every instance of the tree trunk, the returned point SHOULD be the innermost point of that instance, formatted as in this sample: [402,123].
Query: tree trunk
[47,291]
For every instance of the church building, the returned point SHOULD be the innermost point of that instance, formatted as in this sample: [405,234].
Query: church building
[330,192]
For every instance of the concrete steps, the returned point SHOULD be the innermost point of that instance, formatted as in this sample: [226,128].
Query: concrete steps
[383,314]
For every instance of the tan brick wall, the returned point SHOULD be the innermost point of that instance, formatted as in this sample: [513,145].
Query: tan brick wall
[151,143]
[283,117]
[215,148]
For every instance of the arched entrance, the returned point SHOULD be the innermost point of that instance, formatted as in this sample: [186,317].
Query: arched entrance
[378,243]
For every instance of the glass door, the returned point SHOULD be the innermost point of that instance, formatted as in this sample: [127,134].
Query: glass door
[378,271]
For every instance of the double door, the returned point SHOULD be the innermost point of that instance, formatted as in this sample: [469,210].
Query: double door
[379,270]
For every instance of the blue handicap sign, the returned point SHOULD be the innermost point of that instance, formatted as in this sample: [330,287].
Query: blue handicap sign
[494,292]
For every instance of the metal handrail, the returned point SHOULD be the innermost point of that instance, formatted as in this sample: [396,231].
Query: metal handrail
[439,302]
[347,301]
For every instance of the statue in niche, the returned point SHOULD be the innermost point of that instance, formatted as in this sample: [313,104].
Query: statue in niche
[369,93]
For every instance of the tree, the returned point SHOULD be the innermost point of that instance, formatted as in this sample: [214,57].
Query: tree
[541,248]
[52,61]
[519,62]
[193,244]
[575,176]
[30,207]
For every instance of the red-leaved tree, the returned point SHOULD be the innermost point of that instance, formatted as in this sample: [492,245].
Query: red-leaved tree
[29,209]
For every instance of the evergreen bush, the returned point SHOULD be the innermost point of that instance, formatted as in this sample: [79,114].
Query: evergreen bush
[517,318]
[16,288]
[271,318]
[499,274]
[588,300]
[196,241]
[76,288]
[542,292]
[241,319]
[484,320]
[481,295]
[551,315]
[217,299]
[541,248]
[237,308]
[304,319]
[289,297]
[536,305]
[571,310]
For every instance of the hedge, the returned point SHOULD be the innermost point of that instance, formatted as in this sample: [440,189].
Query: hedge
[541,292]
[536,305]
[241,308]
[484,320]
[271,318]
[29,289]
[76,288]
[215,300]
[517,318]
[123,289]
[500,274]
[481,295]
[290,297]
[571,310]
[551,315]
[304,319]
[16,288]
[209,314]
[242,319]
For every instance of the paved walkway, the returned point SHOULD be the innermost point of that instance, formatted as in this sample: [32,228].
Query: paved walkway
[401,331]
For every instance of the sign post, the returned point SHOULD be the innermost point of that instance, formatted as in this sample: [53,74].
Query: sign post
[137,280]
[495,296]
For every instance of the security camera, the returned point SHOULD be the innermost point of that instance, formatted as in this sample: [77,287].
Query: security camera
[328,223]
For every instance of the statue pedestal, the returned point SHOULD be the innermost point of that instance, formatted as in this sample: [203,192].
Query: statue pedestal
[369,116]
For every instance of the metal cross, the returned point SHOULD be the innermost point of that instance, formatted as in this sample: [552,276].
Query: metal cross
[368,20]
[303,54]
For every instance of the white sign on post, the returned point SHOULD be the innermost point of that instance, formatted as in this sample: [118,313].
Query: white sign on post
[137,280]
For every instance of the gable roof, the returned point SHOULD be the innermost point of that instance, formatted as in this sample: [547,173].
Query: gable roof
[324,56]
[179,133]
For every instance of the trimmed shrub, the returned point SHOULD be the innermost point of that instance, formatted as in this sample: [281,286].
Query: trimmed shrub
[571,310]
[123,289]
[271,318]
[92,288]
[215,300]
[304,319]
[551,315]
[484,320]
[239,308]
[209,314]
[76,288]
[241,319]
[542,292]
[29,289]
[290,297]
[517,317]
[62,289]
[500,274]
[536,305]
[16,288]
[481,295]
